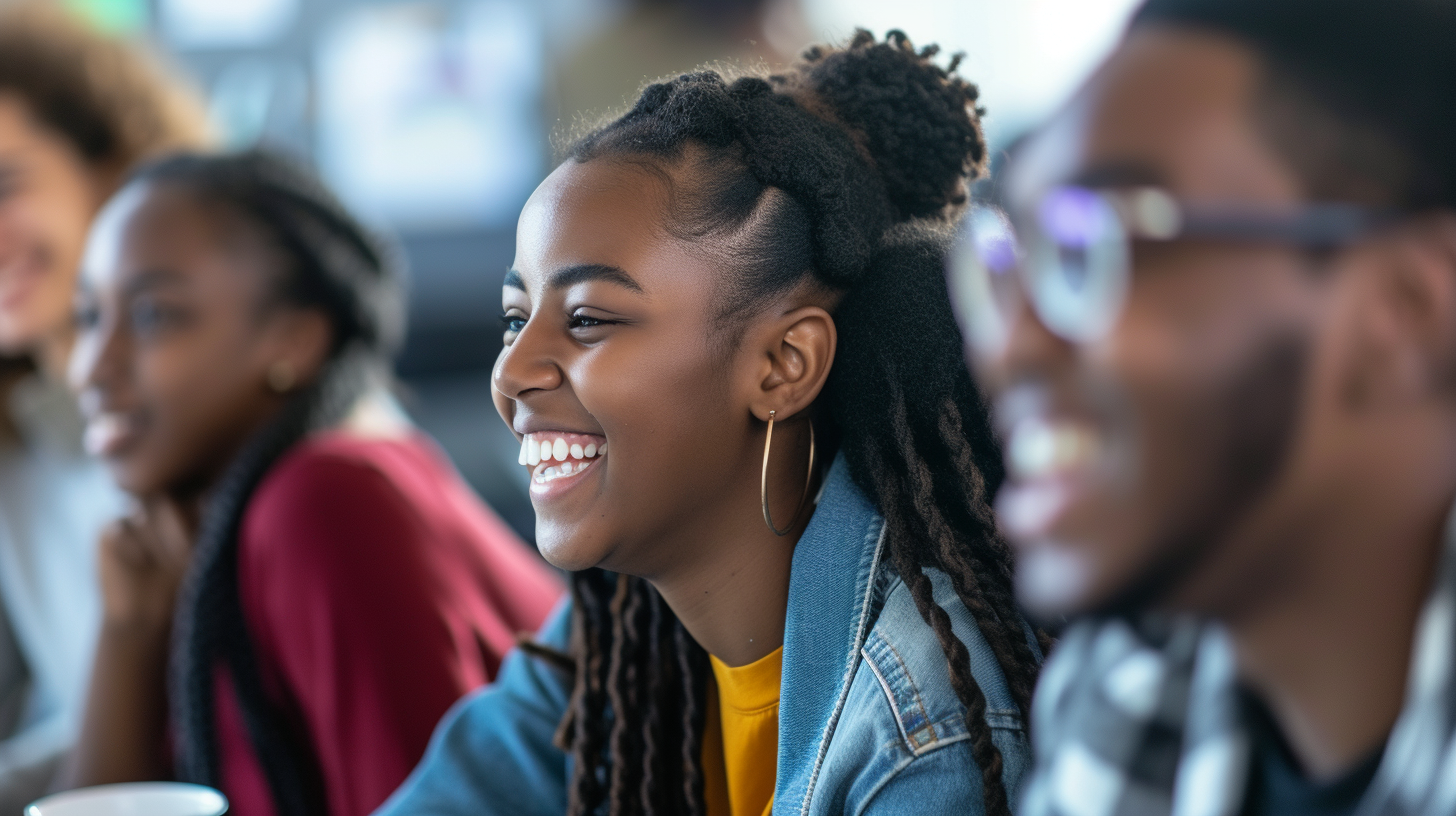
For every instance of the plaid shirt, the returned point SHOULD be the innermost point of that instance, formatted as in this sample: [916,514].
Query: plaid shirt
[1146,721]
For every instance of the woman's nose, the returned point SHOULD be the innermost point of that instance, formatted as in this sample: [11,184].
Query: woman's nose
[98,357]
[527,364]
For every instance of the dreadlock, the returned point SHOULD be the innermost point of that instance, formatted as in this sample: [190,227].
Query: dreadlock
[333,265]
[847,169]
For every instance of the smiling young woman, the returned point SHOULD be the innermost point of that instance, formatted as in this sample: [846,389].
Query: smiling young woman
[308,585]
[738,384]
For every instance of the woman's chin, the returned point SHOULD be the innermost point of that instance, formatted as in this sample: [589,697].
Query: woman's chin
[566,551]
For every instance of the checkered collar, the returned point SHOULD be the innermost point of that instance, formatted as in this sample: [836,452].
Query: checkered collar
[1146,721]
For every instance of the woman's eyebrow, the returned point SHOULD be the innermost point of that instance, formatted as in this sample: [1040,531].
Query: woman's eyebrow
[153,279]
[582,273]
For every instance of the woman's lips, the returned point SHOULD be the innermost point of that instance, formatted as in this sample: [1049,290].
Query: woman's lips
[558,459]
[108,433]
[18,281]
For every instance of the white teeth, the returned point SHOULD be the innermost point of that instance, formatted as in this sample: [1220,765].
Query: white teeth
[552,472]
[1040,448]
[535,450]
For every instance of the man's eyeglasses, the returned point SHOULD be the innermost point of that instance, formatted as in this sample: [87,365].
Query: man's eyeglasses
[1072,256]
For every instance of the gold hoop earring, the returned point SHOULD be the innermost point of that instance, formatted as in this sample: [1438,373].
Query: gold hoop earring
[282,377]
[763,480]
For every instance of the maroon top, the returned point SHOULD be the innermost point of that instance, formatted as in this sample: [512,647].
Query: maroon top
[378,590]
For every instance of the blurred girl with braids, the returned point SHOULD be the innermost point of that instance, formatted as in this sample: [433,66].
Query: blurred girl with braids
[736,379]
[307,585]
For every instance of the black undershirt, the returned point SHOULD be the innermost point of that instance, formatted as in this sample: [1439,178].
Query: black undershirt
[1277,785]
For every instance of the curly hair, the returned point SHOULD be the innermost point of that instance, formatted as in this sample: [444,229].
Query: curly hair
[115,105]
[848,170]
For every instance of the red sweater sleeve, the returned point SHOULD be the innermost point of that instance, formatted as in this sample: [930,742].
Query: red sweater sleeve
[344,597]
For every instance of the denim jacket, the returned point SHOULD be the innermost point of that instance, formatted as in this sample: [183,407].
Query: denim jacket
[868,720]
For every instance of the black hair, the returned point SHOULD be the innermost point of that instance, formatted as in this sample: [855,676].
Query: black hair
[846,170]
[1358,97]
[330,263]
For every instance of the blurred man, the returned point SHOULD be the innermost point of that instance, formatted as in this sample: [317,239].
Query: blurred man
[1220,329]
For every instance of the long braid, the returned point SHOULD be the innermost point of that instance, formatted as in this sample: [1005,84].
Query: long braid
[628,669]
[658,783]
[693,664]
[626,641]
[966,572]
[585,738]
[953,429]
[958,658]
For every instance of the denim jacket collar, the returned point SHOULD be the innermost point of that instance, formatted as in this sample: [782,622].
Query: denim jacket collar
[831,600]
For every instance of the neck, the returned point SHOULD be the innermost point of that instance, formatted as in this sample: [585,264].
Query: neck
[732,595]
[1328,648]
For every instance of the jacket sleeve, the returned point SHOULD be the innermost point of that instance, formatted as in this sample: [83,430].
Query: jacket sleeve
[492,754]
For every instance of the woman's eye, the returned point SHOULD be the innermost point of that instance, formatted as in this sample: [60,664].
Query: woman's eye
[513,323]
[584,322]
[153,317]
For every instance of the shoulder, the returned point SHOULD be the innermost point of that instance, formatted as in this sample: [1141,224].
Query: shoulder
[906,659]
[904,711]
[336,496]
[333,462]
[341,477]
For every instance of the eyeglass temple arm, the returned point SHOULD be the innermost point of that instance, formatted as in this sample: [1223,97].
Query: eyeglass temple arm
[1315,226]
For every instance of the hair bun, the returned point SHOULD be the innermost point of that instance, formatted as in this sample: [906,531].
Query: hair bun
[917,121]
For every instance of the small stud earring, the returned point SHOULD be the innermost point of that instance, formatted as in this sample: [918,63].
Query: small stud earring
[282,377]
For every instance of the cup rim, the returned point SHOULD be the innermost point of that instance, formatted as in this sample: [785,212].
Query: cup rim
[219,801]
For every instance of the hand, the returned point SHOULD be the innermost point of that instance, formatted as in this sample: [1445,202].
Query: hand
[142,560]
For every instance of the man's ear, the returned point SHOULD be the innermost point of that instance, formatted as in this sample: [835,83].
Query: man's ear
[796,353]
[299,338]
[1407,340]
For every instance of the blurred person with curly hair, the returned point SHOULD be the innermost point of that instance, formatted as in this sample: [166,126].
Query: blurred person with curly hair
[77,110]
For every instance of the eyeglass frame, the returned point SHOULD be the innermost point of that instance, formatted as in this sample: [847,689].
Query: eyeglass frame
[1151,213]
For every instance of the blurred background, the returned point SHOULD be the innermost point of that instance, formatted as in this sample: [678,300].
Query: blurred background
[436,118]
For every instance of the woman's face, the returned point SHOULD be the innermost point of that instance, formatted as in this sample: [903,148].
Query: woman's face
[610,349]
[48,196]
[176,337]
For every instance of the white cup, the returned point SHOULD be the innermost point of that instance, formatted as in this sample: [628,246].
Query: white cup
[133,799]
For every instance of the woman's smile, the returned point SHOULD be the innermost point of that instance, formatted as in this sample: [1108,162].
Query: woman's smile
[559,459]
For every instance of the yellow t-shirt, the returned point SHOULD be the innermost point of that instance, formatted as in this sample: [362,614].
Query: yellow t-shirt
[748,733]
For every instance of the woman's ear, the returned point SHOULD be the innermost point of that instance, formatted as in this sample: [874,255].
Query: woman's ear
[298,342]
[796,352]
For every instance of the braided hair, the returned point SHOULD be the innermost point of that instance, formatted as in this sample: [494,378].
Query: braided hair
[332,265]
[846,170]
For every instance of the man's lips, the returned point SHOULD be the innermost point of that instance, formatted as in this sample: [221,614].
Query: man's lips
[1050,462]
[1049,447]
